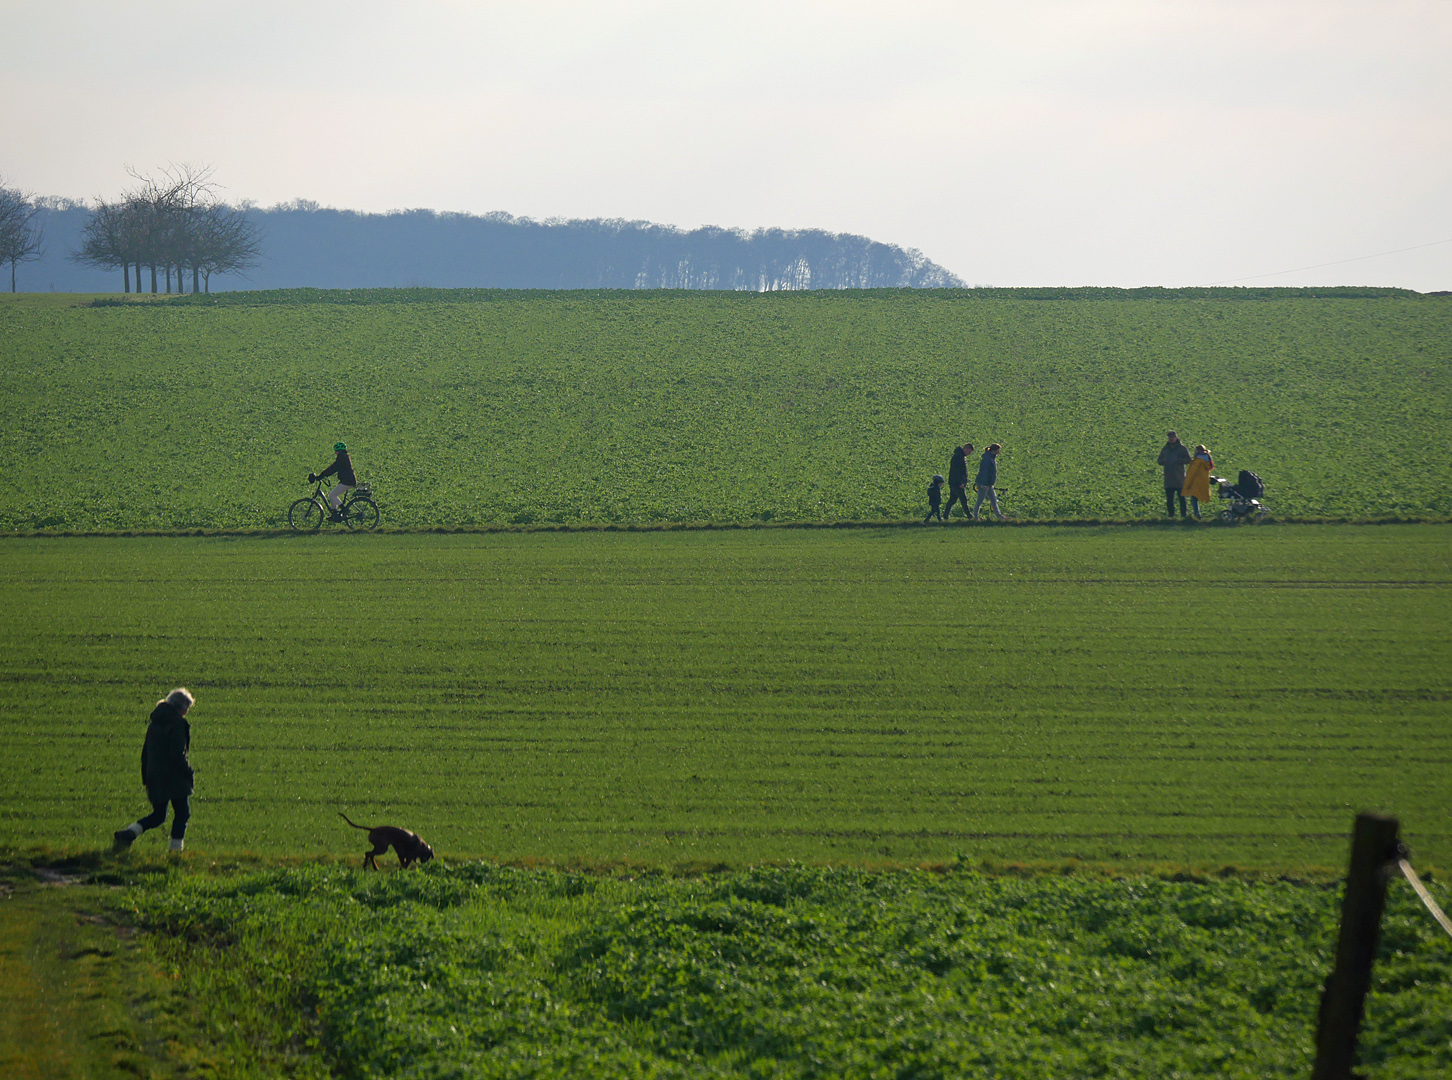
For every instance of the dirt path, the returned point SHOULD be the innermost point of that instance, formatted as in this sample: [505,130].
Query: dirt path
[77,994]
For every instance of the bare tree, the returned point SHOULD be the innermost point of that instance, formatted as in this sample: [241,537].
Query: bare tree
[104,242]
[129,233]
[21,239]
[172,222]
[171,201]
[225,241]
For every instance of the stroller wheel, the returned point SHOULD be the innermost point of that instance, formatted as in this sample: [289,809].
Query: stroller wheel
[1227,516]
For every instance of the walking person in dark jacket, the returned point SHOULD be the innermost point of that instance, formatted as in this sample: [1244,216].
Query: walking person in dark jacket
[166,770]
[958,480]
[935,499]
[987,479]
[347,479]
[1174,457]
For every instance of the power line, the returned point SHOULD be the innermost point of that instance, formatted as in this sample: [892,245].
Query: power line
[1318,266]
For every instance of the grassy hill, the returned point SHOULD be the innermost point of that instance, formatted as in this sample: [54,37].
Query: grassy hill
[476,408]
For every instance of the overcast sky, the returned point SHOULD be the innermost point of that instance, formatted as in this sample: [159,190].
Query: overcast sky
[1025,143]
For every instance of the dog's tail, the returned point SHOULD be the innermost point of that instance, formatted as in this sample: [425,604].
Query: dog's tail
[345,817]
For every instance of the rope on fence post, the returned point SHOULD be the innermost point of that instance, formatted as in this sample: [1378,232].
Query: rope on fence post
[1374,847]
[1416,882]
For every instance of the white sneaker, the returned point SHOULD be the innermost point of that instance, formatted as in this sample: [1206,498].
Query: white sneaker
[176,845]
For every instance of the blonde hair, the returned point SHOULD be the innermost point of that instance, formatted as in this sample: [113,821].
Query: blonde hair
[180,698]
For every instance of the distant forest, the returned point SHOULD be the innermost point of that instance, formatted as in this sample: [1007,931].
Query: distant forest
[302,244]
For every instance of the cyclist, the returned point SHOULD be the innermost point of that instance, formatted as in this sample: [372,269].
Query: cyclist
[347,480]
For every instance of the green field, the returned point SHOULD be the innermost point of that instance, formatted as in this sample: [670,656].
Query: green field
[1141,696]
[476,409]
[475,970]
[880,801]
[797,973]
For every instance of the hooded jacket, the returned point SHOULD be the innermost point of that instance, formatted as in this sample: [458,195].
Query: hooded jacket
[988,469]
[166,769]
[1174,457]
[958,469]
[1197,479]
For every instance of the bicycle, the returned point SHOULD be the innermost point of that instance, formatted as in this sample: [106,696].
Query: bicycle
[357,510]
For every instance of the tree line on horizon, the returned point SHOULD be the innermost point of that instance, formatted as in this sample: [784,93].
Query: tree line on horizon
[173,226]
[311,245]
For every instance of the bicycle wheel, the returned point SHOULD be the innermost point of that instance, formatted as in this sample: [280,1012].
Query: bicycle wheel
[361,513]
[305,515]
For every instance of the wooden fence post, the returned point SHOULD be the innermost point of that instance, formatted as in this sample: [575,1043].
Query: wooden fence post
[1373,847]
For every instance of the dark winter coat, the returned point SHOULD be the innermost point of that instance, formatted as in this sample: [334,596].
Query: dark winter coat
[958,469]
[165,767]
[1174,457]
[987,469]
[935,495]
[343,466]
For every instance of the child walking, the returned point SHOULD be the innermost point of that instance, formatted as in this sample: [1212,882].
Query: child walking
[935,499]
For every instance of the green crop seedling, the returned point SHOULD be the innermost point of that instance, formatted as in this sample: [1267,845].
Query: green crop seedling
[869,695]
[868,802]
[583,408]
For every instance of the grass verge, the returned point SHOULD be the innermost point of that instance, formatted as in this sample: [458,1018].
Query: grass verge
[470,969]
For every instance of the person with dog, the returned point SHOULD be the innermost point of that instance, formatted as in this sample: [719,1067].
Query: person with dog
[958,480]
[1197,479]
[1173,459]
[166,770]
[987,480]
[342,466]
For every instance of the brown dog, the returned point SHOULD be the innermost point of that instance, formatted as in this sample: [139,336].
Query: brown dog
[409,846]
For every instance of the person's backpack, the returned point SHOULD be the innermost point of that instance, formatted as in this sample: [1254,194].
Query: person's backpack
[1250,485]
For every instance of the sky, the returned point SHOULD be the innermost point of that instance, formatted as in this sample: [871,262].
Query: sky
[1037,142]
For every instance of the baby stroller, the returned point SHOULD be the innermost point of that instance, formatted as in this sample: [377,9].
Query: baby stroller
[1244,495]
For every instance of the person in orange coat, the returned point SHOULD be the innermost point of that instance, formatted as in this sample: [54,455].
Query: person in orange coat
[1197,478]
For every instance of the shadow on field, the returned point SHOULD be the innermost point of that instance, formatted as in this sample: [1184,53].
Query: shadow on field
[736,526]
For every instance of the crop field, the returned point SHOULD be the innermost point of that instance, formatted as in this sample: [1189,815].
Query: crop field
[892,696]
[483,409]
[882,801]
